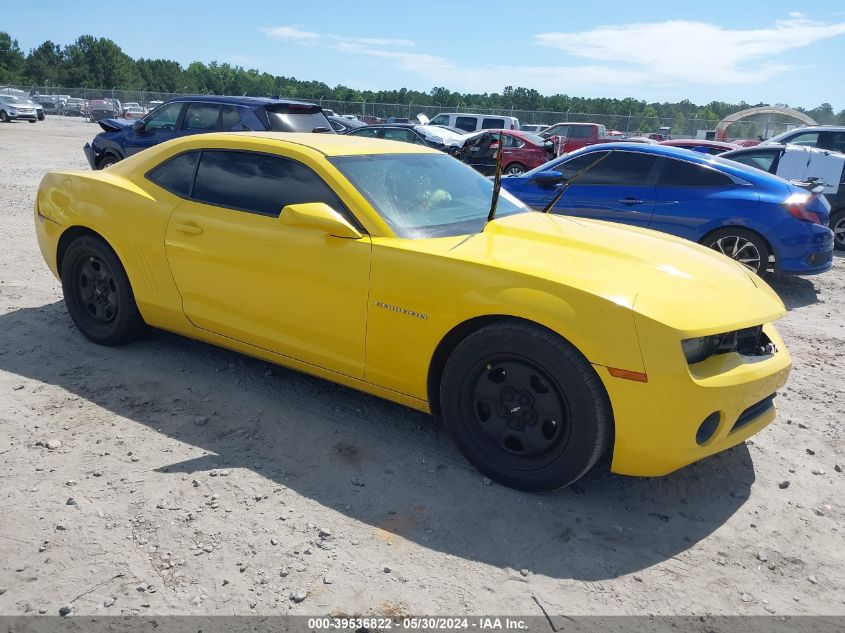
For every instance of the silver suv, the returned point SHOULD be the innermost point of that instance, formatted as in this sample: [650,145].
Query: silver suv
[12,108]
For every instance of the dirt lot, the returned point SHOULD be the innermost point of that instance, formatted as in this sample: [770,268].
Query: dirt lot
[189,479]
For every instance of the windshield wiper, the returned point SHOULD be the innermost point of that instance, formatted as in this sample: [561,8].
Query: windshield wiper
[559,195]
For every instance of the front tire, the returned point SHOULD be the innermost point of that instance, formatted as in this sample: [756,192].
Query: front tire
[4,117]
[108,160]
[741,245]
[837,225]
[525,407]
[98,295]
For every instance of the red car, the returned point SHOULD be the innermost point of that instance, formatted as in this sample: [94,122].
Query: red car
[707,147]
[523,151]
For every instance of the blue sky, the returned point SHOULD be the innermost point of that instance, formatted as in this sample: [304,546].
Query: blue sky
[773,52]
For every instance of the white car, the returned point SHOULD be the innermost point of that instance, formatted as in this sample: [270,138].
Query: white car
[804,164]
[12,108]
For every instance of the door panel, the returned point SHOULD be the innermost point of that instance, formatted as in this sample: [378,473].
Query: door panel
[290,290]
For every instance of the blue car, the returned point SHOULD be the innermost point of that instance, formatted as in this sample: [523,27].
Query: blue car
[194,115]
[758,219]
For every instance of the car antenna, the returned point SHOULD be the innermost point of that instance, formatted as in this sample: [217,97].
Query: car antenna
[497,180]
[563,189]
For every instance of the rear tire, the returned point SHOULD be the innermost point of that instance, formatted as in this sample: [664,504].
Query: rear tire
[97,293]
[525,407]
[515,169]
[837,225]
[741,245]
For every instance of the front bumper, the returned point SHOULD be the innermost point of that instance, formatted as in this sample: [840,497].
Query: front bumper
[23,116]
[91,155]
[658,422]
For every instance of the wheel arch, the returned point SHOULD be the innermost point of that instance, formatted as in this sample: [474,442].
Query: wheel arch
[69,236]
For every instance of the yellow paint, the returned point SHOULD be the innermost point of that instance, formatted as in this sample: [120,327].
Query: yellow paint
[369,311]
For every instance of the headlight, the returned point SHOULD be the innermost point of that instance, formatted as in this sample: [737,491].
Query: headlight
[750,341]
[701,348]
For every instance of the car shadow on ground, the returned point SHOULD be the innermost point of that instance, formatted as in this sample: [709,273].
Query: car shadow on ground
[376,462]
[795,292]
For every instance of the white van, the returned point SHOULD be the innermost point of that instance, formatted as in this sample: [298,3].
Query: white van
[475,122]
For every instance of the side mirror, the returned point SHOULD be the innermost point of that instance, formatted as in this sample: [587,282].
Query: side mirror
[548,177]
[318,216]
[139,125]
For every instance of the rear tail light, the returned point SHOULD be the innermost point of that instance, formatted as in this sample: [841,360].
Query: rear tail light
[797,203]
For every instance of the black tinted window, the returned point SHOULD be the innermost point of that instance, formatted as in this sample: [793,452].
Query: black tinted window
[258,183]
[467,123]
[230,117]
[201,117]
[177,174]
[580,131]
[297,118]
[493,124]
[833,141]
[677,173]
[620,168]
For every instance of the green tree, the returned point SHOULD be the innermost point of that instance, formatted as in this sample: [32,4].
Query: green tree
[45,64]
[12,59]
[92,62]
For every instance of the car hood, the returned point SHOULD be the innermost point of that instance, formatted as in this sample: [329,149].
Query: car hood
[114,125]
[673,281]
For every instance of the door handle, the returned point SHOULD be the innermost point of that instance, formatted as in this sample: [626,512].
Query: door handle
[191,229]
[630,201]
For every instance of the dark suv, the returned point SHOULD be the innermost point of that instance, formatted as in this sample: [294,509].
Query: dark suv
[195,115]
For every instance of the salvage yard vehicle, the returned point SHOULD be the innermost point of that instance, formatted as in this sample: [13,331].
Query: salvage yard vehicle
[807,165]
[521,151]
[714,148]
[433,136]
[746,214]
[544,341]
[830,137]
[196,115]
[475,122]
[102,109]
[16,109]
[342,124]
[572,136]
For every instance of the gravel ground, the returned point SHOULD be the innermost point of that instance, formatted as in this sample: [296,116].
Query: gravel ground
[170,476]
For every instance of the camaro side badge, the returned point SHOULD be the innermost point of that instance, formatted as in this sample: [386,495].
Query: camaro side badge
[387,306]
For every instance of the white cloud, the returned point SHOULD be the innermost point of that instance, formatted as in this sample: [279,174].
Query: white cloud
[291,33]
[679,51]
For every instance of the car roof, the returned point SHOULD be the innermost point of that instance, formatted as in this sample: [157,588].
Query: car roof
[326,144]
[383,125]
[245,101]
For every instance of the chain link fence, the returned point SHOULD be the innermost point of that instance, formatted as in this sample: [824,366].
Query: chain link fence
[630,125]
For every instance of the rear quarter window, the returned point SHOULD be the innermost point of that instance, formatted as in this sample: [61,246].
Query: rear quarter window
[493,124]
[678,173]
[176,175]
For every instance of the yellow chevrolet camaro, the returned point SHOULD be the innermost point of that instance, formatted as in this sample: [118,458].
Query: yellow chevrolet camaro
[543,341]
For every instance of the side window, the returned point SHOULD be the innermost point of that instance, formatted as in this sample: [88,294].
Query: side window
[834,141]
[580,131]
[556,130]
[677,173]
[250,121]
[572,166]
[230,117]
[164,118]
[760,159]
[396,134]
[511,142]
[808,138]
[620,169]
[337,126]
[369,132]
[177,174]
[440,119]
[258,183]
[467,123]
[201,117]
[493,124]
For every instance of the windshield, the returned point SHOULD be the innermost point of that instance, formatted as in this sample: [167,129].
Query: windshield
[425,195]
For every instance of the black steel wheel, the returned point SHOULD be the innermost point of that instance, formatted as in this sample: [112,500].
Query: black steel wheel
[524,406]
[837,225]
[741,245]
[97,293]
